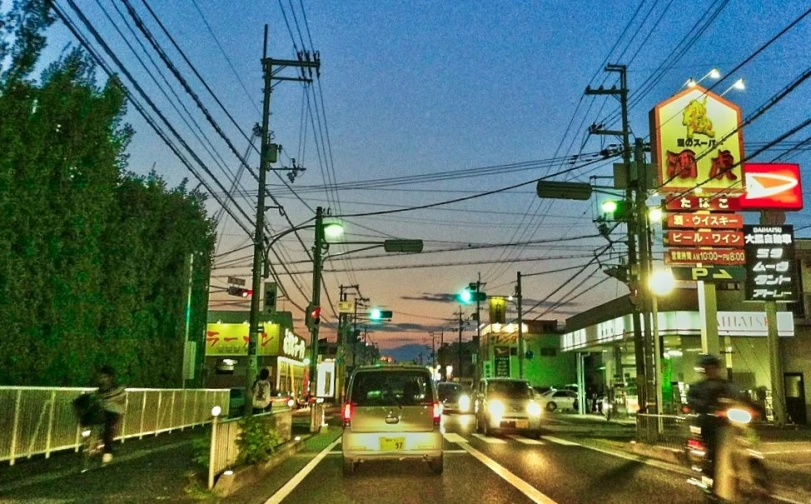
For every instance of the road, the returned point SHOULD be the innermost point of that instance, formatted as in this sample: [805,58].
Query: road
[504,469]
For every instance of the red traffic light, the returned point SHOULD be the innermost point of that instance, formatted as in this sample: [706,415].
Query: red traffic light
[316,312]
[239,291]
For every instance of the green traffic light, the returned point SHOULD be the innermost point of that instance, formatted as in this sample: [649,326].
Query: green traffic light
[375,314]
[609,206]
[466,296]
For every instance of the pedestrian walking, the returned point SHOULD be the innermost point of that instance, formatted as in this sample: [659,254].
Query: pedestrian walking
[112,397]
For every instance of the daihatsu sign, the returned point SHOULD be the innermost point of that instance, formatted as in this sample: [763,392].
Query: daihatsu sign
[696,143]
[772,186]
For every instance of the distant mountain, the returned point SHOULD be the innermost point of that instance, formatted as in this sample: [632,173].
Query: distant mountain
[407,353]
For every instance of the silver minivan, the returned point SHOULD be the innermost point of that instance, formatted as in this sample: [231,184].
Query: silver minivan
[392,413]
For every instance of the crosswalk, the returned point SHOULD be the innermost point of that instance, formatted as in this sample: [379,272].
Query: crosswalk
[453,437]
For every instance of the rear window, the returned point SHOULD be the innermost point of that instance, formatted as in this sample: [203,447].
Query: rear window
[511,389]
[401,388]
[449,390]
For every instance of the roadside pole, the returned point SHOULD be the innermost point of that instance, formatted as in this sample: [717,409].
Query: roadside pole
[775,364]
[520,327]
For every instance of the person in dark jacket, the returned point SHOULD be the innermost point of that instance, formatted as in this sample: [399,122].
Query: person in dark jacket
[704,398]
[112,397]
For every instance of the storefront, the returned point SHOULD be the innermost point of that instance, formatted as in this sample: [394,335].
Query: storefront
[279,350]
[605,334]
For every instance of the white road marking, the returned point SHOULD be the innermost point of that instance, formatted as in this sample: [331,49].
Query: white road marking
[525,440]
[453,437]
[454,452]
[560,441]
[488,439]
[299,477]
[509,477]
[783,452]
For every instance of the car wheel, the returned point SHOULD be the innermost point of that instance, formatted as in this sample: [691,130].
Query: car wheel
[551,407]
[349,467]
[437,465]
[536,434]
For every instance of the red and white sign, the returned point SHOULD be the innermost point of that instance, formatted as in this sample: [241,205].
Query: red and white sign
[705,221]
[712,203]
[772,186]
[705,256]
[690,238]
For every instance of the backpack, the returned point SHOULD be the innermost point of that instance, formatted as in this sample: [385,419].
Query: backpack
[261,394]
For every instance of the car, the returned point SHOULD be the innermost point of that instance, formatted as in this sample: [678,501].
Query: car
[281,400]
[391,413]
[559,399]
[453,397]
[507,404]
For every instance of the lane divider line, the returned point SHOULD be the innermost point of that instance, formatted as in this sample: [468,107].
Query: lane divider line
[488,439]
[560,441]
[525,488]
[525,440]
[299,477]
[453,437]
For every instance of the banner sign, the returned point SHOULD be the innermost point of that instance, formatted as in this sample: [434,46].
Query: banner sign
[501,361]
[704,238]
[705,256]
[770,272]
[695,142]
[498,310]
[695,203]
[709,274]
[232,339]
[705,221]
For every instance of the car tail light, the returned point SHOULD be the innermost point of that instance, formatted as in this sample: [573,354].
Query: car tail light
[437,412]
[348,410]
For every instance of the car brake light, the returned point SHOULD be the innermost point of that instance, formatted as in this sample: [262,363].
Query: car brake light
[347,413]
[437,413]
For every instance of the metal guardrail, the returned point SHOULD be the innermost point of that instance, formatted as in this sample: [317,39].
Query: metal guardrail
[669,431]
[224,450]
[37,420]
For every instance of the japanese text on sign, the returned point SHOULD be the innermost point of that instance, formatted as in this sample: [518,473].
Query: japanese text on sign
[705,256]
[708,221]
[769,263]
[704,238]
[691,203]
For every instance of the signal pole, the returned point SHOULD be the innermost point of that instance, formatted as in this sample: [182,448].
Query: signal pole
[633,268]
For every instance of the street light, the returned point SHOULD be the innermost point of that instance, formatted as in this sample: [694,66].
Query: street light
[661,282]
[713,74]
[333,231]
[738,84]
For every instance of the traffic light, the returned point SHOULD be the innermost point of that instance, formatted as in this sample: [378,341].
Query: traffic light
[469,295]
[313,316]
[617,210]
[239,291]
[378,314]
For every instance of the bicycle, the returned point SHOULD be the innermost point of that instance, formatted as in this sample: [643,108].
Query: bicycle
[90,418]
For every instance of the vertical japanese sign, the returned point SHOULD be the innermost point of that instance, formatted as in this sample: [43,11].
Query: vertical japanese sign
[498,310]
[770,273]
[694,142]
[501,360]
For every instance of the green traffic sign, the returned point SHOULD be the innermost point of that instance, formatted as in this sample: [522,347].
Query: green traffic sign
[710,274]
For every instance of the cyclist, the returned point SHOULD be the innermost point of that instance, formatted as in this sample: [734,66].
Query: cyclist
[704,398]
[112,399]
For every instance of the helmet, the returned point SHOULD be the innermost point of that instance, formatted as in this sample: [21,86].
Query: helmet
[705,360]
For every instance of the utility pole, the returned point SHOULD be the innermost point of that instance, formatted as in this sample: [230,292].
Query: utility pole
[520,327]
[633,270]
[267,156]
[775,364]
[460,344]
[315,422]
[479,324]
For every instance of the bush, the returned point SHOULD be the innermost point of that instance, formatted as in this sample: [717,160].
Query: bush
[257,441]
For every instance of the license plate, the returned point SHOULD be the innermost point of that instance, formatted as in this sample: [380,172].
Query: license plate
[522,424]
[392,443]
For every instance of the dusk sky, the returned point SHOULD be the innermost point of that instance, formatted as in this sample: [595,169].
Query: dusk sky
[434,101]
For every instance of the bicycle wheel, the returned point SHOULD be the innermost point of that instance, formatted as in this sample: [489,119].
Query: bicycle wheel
[90,448]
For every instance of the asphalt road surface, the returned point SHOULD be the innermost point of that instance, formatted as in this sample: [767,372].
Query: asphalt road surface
[502,469]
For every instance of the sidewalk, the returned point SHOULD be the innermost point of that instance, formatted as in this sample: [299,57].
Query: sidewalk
[156,468]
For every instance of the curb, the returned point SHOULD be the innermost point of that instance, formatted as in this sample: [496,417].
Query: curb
[230,482]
